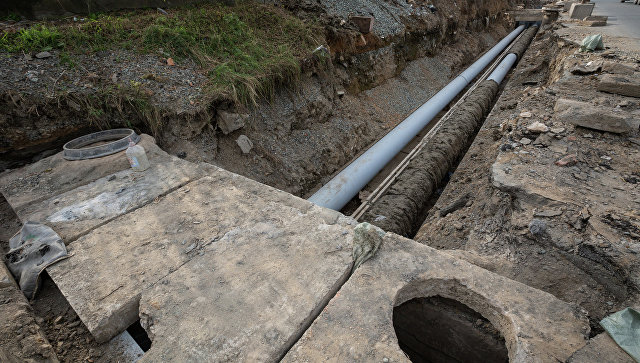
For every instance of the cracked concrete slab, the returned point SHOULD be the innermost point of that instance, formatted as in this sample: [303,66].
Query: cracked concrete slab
[357,325]
[55,175]
[224,224]
[80,210]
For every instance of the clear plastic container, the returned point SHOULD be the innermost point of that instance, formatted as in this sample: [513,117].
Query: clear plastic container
[137,157]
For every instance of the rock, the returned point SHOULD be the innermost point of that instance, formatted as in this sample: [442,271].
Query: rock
[548,213]
[525,141]
[617,68]
[525,114]
[589,68]
[621,85]
[537,227]
[568,160]
[170,62]
[28,57]
[43,55]
[245,144]
[593,117]
[32,76]
[557,130]
[364,23]
[229,122]
[538,127]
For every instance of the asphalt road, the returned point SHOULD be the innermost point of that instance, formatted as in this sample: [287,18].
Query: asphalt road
[624,18]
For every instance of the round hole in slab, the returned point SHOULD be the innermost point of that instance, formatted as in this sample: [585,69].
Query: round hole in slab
[439,329]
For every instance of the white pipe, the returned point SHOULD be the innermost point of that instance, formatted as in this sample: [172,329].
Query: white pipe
[344,186]
[501,71]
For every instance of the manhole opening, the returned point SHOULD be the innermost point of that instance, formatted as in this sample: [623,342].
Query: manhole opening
[140,336]
[438,329]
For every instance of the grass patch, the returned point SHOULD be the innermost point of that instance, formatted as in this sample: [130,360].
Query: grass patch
[246,49]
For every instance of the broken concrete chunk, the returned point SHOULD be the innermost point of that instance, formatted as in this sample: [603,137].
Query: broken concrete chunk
[626,86]
[593,117]
[617,68]
[595,20]
[245,144]
[229,122]
[538,127]
[588,68]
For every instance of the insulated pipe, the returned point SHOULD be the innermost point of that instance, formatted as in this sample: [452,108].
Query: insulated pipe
[503,68]
[344,186]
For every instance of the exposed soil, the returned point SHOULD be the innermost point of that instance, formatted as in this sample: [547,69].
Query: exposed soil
[301,136]
[519,204]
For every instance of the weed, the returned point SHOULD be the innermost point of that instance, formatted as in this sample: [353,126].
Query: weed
[11,16]
[246,49]
[66,60]
[36,38]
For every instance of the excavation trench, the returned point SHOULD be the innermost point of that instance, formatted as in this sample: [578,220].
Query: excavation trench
[401,207]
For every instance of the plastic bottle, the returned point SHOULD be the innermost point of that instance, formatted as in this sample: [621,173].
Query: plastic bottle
[137,157]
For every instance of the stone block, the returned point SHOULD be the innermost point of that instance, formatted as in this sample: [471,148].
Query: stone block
[594,117]
[358,324]
[580,11]
[628,85]
[229,122]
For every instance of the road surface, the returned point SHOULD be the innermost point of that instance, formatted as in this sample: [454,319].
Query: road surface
[624,18]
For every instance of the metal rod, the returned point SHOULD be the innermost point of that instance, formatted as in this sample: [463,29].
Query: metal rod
[344,186]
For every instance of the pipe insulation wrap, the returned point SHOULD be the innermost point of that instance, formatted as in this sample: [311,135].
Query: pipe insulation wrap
[401,208]
[344,186]
[398,210]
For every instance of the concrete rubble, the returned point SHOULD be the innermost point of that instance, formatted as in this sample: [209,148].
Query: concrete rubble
[593,117]
[621,85]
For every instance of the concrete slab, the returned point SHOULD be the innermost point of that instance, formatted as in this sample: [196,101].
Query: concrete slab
[252,246]
[79,210]
[581,11]
[595,117]
[601,348]
[622,85]
[357,325]
[55,175]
